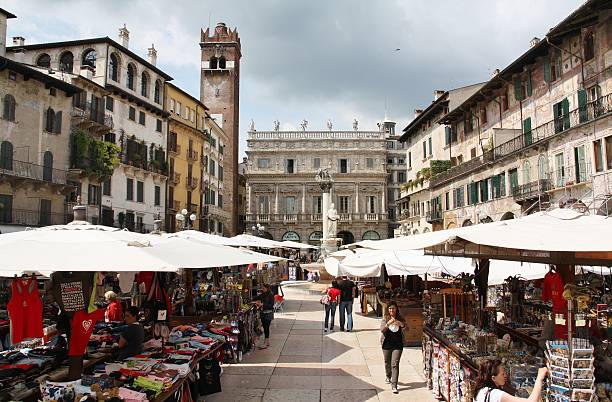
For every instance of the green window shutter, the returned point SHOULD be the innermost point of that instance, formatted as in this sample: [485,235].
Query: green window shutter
[495,185]
[566,115]
[517,89]
[527,131]
[582,106]
[547,71]
[447,135]
[559,64]
[529,86]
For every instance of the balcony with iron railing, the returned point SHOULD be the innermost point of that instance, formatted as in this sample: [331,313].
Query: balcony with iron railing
[86,115]
[591,111]
[192,155]
[531,191]
[12,168]
[570,175]
[434,216]
[192,182]
[27,217]
[174,148]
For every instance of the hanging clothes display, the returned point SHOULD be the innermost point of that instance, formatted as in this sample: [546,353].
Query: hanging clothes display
[72,290]
[552,290]
[25,310]
[83,324]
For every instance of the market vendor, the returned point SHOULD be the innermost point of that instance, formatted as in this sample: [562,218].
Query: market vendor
[132,338]
[114,311]
[492,378]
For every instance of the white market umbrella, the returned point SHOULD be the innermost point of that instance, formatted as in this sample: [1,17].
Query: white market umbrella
[84,247]
[246,240]
[297,245]
[209,238]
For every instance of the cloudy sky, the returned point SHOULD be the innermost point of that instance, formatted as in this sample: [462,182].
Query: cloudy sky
[315,59]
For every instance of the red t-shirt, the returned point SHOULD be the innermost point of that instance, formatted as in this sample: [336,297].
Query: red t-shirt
[552,289]
[333,294]
[114,311]
[81,328]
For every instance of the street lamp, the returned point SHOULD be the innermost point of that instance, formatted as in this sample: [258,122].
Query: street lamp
[258,229]
[186,220]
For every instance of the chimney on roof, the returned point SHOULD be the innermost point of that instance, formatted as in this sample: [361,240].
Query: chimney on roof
[495,72]
[417,112]
[438,93]
[124,36]
[152,55]
[534,41]
[18,41]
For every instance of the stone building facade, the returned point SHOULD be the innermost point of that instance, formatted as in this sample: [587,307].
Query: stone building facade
[34,143]
[220,90]
[283,196]
[537,135]
[134,196]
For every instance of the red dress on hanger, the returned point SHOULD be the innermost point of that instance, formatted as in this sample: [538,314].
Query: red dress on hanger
[25,310]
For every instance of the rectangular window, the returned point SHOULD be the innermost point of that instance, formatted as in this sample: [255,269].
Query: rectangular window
[317,205]
[110,103]
[141,118]
[504,100]
[178,108]
[343,163]
[158,126]
[130,190]
[290,166]
[513,176]
[45,212]
[409,160]
[459,197]
[316,163]
[290,206]
[220,173]
[561,115]
[370,163]
[447,135]
[213,197]
[172,105]
[93,194]
[212,168]
[220,200]
[401,177]
[608,140]
[430,147]
[447,201]
[263,204]
[598,155]
[343,204]
[527,137]
[220,227]
[371,204]
[559,170]
[157,195]
[106,187]
[140,191]
[580,164]
[424,149]
[132,114]
[263,163]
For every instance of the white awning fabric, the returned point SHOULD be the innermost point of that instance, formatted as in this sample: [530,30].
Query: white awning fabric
[247,240]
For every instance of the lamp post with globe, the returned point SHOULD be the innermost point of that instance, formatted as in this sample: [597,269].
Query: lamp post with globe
[258,230]
[186,219]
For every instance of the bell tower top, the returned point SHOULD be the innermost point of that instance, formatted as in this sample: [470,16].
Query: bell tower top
[221,35]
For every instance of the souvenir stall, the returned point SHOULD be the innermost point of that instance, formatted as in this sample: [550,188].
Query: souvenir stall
[82,352]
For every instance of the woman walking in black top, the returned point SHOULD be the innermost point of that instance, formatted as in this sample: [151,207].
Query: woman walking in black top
[392,341]
[266,299]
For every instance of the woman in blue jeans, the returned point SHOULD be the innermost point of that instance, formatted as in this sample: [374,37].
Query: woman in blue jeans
[333,292]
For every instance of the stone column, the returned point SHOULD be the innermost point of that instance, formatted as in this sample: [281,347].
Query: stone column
[356,198]
[276,199]
[383,201]
[304,199]
[326,205]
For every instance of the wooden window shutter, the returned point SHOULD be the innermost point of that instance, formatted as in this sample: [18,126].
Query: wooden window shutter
[529,85]
[58,123]
[582,103]
[518,93]
[447,135]
[547,72]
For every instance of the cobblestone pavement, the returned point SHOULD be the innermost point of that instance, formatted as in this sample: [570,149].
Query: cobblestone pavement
[304,364]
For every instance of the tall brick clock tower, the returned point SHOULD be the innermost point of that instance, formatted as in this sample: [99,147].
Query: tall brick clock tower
[219,91]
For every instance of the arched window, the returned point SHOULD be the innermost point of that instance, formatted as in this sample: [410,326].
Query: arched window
[44,60]
[222,62]
[415,232]
[113,71]
[157,92]
[9,108]
[346,236]
[48,166]
[507,216]
[144,84]
[426,230]
[589,46]
[527,172]
[467,222]
[6,155]
[315,238]
[371,235]
[49,120]
[486,219]
[130,76]
[213,63]
[89,58]
[291,236]
[66,62]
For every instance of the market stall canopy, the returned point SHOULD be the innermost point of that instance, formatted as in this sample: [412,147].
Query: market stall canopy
[246,240]
[83,247]
[208,238]
[297,245]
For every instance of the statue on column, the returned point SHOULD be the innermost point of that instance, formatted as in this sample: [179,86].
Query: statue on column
[332,226]
[324,178]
